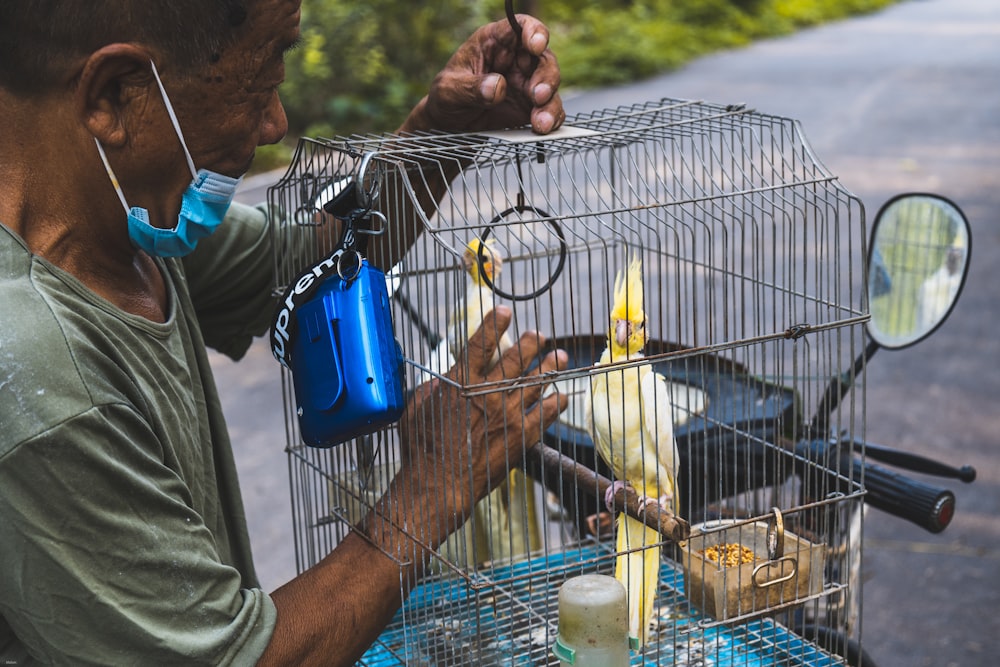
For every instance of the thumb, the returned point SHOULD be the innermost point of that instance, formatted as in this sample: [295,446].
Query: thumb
[465,90]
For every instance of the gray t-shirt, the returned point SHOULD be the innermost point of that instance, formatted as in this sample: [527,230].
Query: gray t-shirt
[123,538]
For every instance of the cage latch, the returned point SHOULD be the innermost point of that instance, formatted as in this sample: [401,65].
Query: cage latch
[797,331]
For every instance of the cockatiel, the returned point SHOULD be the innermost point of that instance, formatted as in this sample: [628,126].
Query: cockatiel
[479,298]
[631,419]
[506,518]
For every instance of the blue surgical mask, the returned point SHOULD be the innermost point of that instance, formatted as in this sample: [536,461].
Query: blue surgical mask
[203,205]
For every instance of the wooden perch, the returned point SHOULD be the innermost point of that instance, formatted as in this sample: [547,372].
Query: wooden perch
[666,522]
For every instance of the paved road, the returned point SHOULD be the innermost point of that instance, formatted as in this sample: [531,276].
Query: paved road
[907,99]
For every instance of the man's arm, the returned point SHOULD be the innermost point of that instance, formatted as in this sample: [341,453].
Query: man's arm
[332,613]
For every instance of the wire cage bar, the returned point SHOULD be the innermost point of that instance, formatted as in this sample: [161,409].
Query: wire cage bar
[752,262]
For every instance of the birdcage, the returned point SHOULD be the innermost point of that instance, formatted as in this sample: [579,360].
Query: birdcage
[751,255]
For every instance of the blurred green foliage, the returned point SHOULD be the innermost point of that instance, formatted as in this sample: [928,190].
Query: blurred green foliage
[362,65]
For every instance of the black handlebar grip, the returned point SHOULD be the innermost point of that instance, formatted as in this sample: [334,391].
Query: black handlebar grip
[929,507]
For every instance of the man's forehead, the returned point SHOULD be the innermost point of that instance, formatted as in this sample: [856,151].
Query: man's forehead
[271,30]
[284,11]
[275,21]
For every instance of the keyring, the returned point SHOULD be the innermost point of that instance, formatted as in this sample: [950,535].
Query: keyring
[358,259]
[563,248]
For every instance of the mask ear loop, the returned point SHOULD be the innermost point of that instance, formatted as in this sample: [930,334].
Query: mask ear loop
[111,174]
[173,120]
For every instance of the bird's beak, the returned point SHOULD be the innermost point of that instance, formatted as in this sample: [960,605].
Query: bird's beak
[622,330]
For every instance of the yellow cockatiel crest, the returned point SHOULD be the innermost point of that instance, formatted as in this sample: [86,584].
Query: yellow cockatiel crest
[627,303]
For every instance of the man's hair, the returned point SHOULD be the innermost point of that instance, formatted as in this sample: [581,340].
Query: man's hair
[39,38]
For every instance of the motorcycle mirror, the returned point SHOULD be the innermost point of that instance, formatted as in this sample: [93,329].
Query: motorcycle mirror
[917,263]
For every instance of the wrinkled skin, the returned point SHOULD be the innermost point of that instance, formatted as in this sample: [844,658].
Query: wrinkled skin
[487,84]
[334,611]
[439,422]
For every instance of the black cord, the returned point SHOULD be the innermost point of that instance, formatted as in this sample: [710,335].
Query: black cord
[563,249]
[514,25]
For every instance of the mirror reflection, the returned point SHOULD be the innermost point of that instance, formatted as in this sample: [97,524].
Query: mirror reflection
[919,256]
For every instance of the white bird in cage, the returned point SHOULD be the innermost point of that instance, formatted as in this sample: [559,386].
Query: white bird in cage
[631,417]
[479,298]
[505,521]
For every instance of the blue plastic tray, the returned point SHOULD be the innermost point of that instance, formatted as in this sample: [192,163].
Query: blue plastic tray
[449,622]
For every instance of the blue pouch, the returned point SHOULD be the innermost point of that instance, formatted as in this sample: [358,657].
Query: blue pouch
[333,330]
[347,368]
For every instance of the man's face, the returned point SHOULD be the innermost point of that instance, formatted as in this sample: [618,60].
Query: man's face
[232,106]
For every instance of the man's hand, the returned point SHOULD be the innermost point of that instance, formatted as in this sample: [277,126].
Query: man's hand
[495,80]
[457,448]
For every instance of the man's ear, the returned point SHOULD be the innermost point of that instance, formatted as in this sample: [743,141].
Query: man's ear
[113,78]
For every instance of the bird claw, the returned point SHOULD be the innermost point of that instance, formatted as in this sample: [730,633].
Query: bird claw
[609,495]
[646,501]
[663,502]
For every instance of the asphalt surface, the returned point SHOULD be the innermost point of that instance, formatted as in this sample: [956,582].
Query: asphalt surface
[907,99]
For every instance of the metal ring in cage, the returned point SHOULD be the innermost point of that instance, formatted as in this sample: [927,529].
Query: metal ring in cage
[309,211]
[306,216]
[776,536]
[563,249]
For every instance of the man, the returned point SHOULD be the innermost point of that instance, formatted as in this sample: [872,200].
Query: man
[122,535]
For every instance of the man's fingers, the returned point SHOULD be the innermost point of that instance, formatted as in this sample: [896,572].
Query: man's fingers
[545,79]
[548,118]
[534,34]
[519,356]
[553,361]
[493,89]
[557,360]
[544,412]
[551,406]
[515,360]
[463,89]
[484,343]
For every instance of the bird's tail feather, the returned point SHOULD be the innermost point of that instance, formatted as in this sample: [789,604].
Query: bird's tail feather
[638,569]
[507,523]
